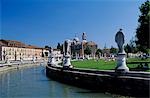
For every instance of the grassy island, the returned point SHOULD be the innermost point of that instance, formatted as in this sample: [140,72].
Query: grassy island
[106,65]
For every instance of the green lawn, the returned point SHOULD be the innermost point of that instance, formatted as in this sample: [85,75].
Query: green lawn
[138,60]
[101,64]
[93,64]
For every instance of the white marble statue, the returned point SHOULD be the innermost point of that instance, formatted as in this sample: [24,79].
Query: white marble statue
[83,36]
[50,50]
[119,39]
[67,57]
[51,59]
[121,58]
[67,47]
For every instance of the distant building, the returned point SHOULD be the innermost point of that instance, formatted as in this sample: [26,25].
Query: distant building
[106,52]
[78,47]
[15,50]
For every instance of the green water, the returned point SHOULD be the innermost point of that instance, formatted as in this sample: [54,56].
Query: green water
[33,83]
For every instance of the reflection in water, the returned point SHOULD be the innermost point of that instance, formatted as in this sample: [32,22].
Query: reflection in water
[32,82]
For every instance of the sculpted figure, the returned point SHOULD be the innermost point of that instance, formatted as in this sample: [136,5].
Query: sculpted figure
[83,36]
[119,39]
[67,47]
[50,50]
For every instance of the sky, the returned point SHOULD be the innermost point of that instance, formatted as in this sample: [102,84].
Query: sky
[47,22]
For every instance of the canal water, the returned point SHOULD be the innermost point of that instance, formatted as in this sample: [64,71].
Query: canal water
[33,83]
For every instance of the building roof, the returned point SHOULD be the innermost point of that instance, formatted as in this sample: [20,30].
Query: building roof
[76,39]
[14,43]
[90,43]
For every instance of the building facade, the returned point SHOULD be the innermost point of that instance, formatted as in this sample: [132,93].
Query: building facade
[78,47]
[15,50]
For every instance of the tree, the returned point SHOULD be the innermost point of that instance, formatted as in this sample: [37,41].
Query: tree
[142,31]
[127,48]
[131,47]
[87,51]
[113,50]
[47,47]
[60,47]
[98,51]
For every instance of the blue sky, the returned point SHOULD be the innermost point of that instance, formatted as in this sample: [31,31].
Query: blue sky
[47,22]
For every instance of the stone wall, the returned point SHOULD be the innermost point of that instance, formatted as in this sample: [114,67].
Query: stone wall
[103,81]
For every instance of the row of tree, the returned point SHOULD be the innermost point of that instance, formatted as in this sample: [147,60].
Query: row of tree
[142,37]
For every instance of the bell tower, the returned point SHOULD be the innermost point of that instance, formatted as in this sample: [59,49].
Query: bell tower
[84,37]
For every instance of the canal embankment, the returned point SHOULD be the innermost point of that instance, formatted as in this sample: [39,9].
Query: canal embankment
[18,65]
[132,84]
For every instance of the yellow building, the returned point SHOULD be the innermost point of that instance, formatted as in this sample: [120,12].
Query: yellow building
[15,50]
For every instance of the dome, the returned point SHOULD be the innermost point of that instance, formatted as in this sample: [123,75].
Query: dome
[76,39]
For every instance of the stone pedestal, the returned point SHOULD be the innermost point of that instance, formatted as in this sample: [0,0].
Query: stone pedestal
[21,61]
[51,60]
[8,62]
[121,63]
[77,56]
[33,59]
[66,62]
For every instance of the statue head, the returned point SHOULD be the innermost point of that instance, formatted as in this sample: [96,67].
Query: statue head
[120,30]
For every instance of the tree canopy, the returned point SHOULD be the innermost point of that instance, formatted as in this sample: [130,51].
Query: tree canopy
[113,50]
[142,31]
[60,47]
[87,51]
[98,51]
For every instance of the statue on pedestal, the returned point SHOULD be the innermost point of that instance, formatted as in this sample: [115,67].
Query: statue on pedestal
[121,58]
[51,58]
[67,57]
[83,36]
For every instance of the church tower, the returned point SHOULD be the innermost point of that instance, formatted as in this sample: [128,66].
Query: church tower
[84,37]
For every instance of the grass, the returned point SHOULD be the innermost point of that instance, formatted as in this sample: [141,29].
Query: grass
[93,64]
[102,65]
[138,60]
